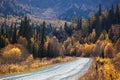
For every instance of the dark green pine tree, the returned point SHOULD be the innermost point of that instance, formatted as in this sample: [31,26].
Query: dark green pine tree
[79,24]
[25,29]
[90,26]
[41,51]
[98,23]
[117,14]
[104,24]
[21,30]
[110,18]
[68,29]
[112,14]
[6,31]
[100,10]
[2,32]
[14,36]
[10,32]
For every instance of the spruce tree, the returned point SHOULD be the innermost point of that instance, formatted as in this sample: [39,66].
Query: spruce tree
[2,44]
[110,18]
[68,29]
[79,24]
[10,32]
[21,29]
[117,14]
[41,51]
[2,30]
[25,29]
[14,37]
[100,10]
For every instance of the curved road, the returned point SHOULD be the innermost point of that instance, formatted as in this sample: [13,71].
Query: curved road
[64,71]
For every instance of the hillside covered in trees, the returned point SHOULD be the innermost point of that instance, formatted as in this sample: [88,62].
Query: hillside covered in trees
[22,41]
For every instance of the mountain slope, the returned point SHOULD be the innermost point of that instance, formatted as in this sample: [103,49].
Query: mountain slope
[54,9]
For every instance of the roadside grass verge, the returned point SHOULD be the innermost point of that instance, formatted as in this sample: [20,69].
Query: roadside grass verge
[16,59]
[31,64]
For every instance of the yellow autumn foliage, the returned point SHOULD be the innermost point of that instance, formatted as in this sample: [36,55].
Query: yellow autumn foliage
[109,51]
[109,71]
[14,53]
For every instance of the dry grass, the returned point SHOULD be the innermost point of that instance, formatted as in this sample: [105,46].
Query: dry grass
[30,64]
[101,69]
[16,59]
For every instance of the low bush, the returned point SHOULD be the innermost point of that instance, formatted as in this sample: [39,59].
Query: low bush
[13,54]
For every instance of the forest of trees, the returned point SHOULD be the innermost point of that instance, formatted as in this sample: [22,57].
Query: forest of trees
[82,39]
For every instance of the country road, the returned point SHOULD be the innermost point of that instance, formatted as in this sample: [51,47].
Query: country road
[64,71]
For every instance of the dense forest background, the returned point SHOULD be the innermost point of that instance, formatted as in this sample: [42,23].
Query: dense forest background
[48,41]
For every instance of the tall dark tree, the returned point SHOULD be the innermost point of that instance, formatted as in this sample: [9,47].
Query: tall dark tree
[98,22]
[21,30]
[25,29]
[41,51]
[100,10]
[110,18]
[104,24]
[117,14]
[2,30]
[79,24]
[10,32]
[14,36]
[2,42]
[6,31]
[68,29]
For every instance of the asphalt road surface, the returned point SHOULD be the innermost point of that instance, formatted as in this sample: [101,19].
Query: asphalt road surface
[65,71]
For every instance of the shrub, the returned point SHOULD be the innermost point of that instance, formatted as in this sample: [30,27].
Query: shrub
[103,49]
[117,45]
[97,50]
[87,50]
[13,54]
[7,41]
[116,61]
[91,37]
[104,35]
[22,41]
[106,68]
[54,46]
[109,51]
[78,48]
